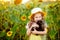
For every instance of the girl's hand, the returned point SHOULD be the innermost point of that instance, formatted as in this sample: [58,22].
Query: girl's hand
[29,31]
[34,32]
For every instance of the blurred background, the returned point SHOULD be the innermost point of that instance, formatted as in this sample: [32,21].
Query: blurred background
[14,15]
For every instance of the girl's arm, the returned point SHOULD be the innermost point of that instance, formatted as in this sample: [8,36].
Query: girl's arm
[29,31]
[40,32]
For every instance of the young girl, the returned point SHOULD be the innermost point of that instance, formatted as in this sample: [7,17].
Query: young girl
[36,28]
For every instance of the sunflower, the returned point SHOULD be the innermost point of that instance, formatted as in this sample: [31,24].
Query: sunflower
[29,17]
[2,3]
[23,18]
[28,6]
[9,33]
[45,14]
[17,2]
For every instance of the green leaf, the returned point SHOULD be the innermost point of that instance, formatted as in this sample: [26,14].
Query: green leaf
[52,33]
[5,24]
[2,34]
[14,30]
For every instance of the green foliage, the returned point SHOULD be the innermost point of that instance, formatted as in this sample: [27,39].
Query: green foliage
[53,18]
[10,19]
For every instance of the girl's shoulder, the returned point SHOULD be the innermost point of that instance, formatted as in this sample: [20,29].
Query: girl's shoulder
[45,23]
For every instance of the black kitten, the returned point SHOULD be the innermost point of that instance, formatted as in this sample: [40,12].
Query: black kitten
[40,28]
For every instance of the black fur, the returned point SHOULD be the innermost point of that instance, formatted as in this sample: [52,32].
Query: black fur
[40,28]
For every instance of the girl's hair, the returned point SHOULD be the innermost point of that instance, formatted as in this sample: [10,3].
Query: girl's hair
[32,18]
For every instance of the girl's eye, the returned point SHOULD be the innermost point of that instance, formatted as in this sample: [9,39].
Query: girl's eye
[36,17]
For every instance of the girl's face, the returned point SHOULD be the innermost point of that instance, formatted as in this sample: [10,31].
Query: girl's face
[37,17]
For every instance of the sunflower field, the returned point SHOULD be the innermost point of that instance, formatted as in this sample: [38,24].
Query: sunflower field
[13,19]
